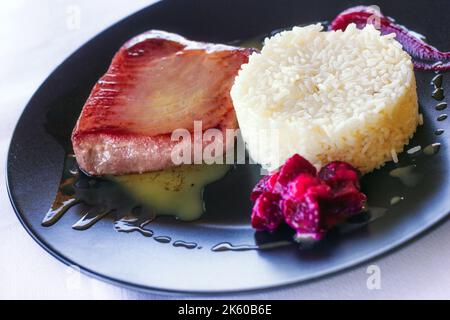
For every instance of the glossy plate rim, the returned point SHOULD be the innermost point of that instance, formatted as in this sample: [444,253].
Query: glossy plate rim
[402,242]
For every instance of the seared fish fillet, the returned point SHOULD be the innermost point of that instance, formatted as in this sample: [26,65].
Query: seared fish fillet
[156,83]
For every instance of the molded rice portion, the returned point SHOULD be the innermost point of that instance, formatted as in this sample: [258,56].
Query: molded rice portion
[348,96]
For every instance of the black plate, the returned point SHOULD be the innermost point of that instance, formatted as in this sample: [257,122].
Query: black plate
[36,158]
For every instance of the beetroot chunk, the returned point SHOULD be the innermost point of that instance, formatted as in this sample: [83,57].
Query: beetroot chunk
[344,182]
[306,215]
[294,166]
[266,184]
[309,202]
[337,174]
[266,214]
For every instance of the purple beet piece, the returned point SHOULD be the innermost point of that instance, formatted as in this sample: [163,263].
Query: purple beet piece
[294,166]
[338,173]
[416,47]
[266,214]
[266,184]
[306,216]
[309,202]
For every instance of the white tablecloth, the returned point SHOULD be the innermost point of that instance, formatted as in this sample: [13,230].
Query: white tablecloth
[35,36]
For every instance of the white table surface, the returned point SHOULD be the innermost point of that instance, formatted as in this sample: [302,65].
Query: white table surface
[35,36]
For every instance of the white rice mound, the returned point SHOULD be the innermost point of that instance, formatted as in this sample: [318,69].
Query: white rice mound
[327,96]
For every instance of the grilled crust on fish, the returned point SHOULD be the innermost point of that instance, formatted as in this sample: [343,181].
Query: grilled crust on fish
[157,82]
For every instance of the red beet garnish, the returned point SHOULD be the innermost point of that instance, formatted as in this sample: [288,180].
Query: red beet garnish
[266,214]
[293,167]
[416,47]
[339,173]
[306,215]
[266,184]
[309,202]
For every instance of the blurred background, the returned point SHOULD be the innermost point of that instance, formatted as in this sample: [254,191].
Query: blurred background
[37,35]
